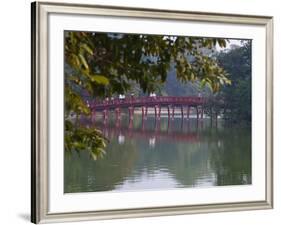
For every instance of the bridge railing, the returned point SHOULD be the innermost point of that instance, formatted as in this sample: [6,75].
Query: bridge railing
[146,101]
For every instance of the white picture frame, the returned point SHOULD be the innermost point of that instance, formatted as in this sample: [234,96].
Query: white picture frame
[49,204]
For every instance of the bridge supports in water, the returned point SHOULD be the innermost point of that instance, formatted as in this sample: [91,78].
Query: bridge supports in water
[183,110]
[170,110]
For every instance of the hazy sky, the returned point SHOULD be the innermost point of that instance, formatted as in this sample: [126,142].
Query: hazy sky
[228,44]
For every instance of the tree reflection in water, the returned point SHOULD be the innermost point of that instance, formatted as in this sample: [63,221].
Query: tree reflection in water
[162,154]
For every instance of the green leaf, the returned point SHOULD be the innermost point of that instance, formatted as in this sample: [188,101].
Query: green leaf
[84,62]
[203,83]
[192,77]
[87,48]
[100,79]
[74,60]
[93,155]
[228,82]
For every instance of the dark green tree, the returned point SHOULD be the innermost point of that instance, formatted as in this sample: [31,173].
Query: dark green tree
[214,106]
[237,97]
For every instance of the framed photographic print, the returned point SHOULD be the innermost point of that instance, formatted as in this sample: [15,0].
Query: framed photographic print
[147,112]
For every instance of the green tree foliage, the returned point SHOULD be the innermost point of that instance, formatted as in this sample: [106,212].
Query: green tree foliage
[82,138]
[237,97]
[102,65]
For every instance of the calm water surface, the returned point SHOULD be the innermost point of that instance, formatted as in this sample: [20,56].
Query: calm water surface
[162,155]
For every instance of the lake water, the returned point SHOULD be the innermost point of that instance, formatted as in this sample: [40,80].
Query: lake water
[166,154]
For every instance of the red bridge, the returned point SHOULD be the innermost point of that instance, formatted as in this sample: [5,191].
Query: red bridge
[169,102]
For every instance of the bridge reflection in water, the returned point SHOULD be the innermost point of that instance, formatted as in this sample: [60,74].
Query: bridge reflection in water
[157,132]
[150,130]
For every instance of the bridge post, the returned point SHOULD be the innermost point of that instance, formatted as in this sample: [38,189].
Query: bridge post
[159,112]
[187,112]
[216,118]
[119,113]
[105,114]
[202,113]
[146,107]
[168,108]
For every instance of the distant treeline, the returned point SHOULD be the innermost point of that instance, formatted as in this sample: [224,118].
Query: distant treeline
[234,101]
